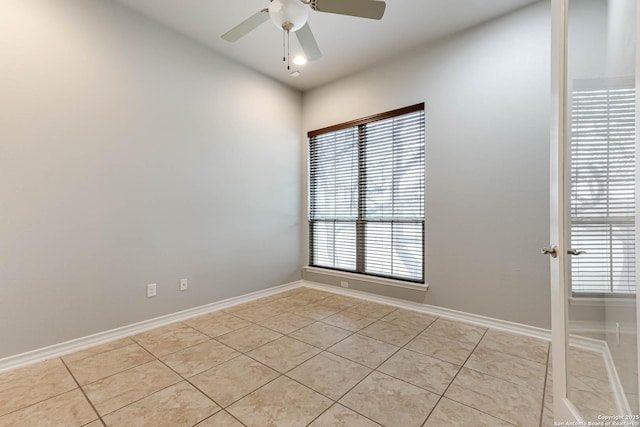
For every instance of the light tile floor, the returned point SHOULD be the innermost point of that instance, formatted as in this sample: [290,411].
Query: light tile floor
[299,358]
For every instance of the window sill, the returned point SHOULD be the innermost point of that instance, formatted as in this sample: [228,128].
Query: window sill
[367,278]
[597,301]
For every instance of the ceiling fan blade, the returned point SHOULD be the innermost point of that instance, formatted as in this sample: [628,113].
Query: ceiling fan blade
[246,26]
[308,43]
[371,9]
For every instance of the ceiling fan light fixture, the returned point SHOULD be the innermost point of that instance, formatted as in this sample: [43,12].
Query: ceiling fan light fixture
[290,15]
[300,60]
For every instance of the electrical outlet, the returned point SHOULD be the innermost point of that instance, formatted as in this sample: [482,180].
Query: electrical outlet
[151,290]
[344,284]
[184,284]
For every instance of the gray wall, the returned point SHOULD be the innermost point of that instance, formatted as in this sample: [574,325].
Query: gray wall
[487,159]
[129,155]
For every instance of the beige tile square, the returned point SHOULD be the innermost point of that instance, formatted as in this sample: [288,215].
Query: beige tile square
[313,295]
[97,349]
[124,388]
[284,353]
[221,419]
[156,332]
[292,304]
[329,374]
[372,309]
[282,402]
[273,298]
[409,319]
[258,314]
[339,416]
[516,345]
[320,335]
[390,333]
[458,331]
[513,369]
[69,409]
[364,350]
[286,323]
[350,321]
[510,402]
[389,401]
[583,363]
[590,404]
[178,405]
[244,306]
[441,348]
[199,358]
[316,311]
[176,339]
[233,380]
[423,371]
[449,413]
[217,323]
[340,302]
[102,365]
[248,338]
[25,386]
[581,382]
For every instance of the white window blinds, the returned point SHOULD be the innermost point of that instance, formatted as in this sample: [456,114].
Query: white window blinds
[366,195]
[602,206]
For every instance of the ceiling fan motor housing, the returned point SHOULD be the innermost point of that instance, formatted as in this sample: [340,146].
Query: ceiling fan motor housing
[288,15]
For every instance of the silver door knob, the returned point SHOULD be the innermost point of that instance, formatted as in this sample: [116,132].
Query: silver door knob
[575,252]
[553,251]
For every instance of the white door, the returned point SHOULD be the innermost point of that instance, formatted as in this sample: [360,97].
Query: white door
[593,187]
[562,407]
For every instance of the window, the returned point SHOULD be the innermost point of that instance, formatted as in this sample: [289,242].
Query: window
[602,206]
[366,195]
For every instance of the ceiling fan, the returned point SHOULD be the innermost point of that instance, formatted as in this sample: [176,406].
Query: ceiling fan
[291,16]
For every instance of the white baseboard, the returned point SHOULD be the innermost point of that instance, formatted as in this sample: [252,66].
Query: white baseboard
[67,347]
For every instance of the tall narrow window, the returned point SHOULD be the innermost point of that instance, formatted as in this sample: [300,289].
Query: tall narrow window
[602,153]
[366,195]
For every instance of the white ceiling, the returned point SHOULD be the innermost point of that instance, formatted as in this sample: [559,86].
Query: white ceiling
[348,44]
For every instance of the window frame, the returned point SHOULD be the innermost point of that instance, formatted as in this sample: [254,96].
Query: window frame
[361,221]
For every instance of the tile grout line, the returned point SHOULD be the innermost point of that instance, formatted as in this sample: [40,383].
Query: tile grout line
[36,403]
[280,375]
[322,351]
[337,401]
[187,380]
[242,353]
[249,356]
[83,392]
[213,415]
[544,387]
[464,404]
[102,352]
[454,378]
